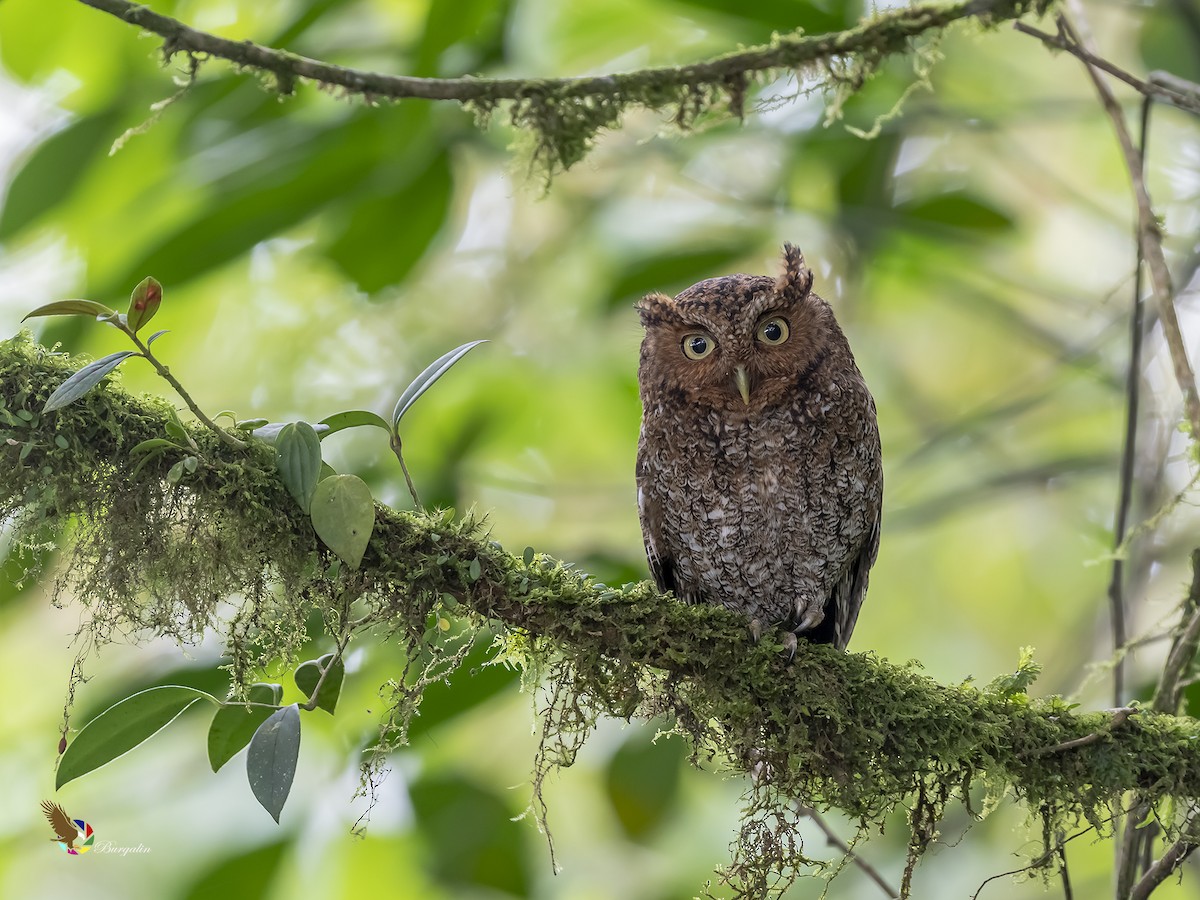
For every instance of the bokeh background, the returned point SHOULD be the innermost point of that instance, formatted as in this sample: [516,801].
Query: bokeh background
[317,253]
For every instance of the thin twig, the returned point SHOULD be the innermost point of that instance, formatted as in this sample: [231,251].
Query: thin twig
[885,33]
[1135,840]
[1148,231]
[1133,378]
[226,438]
[1178,92]
[1169,692]
[1120,715]
[835,840]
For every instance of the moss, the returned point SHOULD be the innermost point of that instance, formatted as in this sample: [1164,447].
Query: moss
[226,548]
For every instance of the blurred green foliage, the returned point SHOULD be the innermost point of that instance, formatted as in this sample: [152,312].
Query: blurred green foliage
[317,252]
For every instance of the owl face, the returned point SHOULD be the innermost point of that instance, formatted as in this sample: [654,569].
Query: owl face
[740,343]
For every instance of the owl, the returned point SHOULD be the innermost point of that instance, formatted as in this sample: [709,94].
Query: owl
[759,477]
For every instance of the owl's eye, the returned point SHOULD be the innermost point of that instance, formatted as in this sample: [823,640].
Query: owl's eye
[773,331]
[697,346]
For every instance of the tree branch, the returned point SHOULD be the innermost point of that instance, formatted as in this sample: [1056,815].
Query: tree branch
[831,728]
[567,112]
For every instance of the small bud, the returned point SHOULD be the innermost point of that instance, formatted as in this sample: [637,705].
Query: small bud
[62,745]
[143,303]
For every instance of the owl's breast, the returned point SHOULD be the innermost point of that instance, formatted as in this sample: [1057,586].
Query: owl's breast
[756,514]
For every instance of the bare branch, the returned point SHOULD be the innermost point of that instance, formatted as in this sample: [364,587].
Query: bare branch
[835,840]
[1148,231]
[1164,86]
[1161,868]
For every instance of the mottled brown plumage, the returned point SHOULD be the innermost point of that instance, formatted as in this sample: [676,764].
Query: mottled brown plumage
[759,475]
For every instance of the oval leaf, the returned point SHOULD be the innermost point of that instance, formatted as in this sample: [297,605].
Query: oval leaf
[425,380]
[271,759]
[343,515]
[143,303]
[122,727]
[308,674]
[352,419]
[84,380]
[269,432]
[72,308]
[298,458]
[234,725]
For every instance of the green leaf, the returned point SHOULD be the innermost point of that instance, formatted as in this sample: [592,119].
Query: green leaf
[143,303]
[234,725]
[122,727]
[271,759]
[426,379]
[425,197]
[959,211]
[85,379]
[72,308]
[352,419]
[154,337]
[154,444]
[298,458]
[309,673]
[175,473]
[270,432]
[51,175]
[343,515]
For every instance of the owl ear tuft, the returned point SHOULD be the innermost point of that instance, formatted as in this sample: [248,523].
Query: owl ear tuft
[796,279]
[654,308]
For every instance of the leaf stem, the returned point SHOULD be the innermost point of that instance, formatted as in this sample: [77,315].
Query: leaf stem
[412,488]
[226,438]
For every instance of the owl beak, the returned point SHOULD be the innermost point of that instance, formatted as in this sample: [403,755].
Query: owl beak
[742,380]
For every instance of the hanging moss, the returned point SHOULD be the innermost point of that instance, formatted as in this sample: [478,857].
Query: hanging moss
[226,548]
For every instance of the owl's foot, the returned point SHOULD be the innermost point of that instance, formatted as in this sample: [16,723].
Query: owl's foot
[789,645]
[811,618]
[789,639]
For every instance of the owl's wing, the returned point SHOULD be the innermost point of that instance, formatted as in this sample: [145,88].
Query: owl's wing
[848,594]
[650,512]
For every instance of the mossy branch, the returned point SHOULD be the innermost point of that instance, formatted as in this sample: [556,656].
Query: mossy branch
[566,113]
[827,729]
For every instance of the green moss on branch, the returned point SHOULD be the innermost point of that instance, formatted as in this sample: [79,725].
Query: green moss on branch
[827,729]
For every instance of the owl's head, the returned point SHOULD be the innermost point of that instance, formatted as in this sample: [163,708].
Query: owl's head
[740,342]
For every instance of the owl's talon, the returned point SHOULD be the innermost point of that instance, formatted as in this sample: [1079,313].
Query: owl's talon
[789,644]
[812,619]
[756,629]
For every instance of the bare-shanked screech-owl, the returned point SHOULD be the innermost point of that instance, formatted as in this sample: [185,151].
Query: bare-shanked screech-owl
[759,475]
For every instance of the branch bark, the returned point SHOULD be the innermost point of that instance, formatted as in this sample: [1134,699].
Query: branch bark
[877,37]
[565,114]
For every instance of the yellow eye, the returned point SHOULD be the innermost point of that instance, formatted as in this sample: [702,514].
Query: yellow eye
[773,331]
[697,345]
